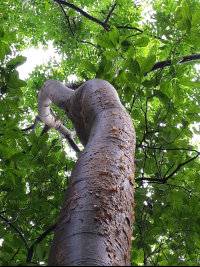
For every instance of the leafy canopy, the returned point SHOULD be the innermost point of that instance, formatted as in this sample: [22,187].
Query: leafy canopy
[163,104]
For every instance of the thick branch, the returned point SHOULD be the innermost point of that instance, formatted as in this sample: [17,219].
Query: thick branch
[56,92]
[17,230]
[167,63]
[86,15]
[74,85]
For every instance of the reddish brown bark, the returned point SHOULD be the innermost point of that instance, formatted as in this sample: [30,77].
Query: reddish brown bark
[95,224]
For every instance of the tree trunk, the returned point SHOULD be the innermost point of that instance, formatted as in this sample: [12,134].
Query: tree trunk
[95,224]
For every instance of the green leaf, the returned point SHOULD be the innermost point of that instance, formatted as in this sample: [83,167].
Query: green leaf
[197,183]
[33,138]
[178,14]
[186,81]
[24,145]
[104,41]
[193,39]
[131,79]
[111,54]
[100,73]
[15,82]
[195,18]
[2,51]
[71,13]
[166,87]
[142,42]
[196,132]
[56,149]
[1,31]
[114,36]
[47,6]
[128,93]
[16,62]
[43,140]
[186,13]
[9,37]
[147,64]
[17,157]
[54,143]
[178,94]
[133,66]
[10,181]
[152,50]
[125,46]
[41,251]
[34,150]
[89,66]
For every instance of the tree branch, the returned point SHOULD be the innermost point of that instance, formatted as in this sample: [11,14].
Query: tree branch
[54,91]
[110,13]
[152,180]
[170,149]
[15,254]
[72,32]
[181,165]
[167,63]
[129,28]
[101,23]
[2,212]
[68,20]
[34,126]
[86,15]
[164,180]
[40,238]
[17,230]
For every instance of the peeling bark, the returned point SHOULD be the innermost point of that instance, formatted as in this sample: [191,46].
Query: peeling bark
[95,224]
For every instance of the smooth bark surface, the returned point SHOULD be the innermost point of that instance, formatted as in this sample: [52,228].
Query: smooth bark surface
[95,224]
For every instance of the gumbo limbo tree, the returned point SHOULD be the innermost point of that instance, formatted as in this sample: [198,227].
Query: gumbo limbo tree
[98,205]
[128,71]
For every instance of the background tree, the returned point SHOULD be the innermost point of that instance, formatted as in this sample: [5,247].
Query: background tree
[163,104]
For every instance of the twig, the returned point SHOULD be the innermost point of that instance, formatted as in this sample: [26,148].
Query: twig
[34,126]
[171,149]
[152,180]
[68,20]
[17,230]
[181,165]
[110,13]
[46,129]
[72,32]
[40,238]
[129,28]
[2,212]
[15,254]
[164,180]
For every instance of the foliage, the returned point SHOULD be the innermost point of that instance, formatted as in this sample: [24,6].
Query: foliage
[163,105]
